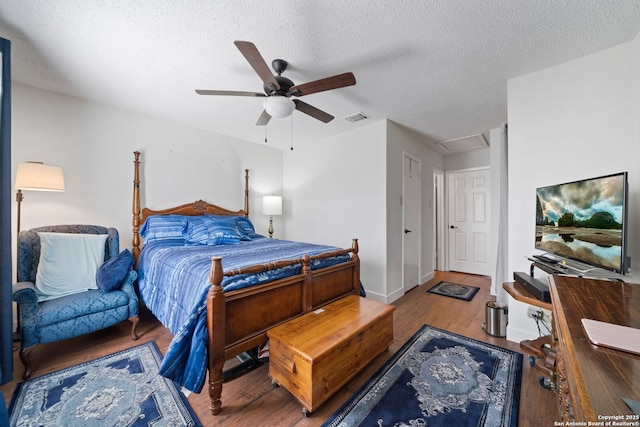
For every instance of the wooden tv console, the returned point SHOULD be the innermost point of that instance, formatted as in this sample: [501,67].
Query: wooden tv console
[590,380]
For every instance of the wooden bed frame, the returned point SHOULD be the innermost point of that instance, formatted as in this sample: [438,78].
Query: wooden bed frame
[238,320]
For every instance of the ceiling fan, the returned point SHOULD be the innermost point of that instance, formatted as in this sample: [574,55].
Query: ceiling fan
[278,90]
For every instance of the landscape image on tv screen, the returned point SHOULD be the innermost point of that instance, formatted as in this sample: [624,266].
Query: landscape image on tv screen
[583,220]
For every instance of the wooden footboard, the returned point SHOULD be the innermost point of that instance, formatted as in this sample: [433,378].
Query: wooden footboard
[238,321]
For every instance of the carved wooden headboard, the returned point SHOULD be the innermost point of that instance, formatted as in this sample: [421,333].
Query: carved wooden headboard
[198,207]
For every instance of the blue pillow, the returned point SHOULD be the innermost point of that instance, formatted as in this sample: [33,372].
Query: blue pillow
[220,235]
[164,227]
[112,273]
[245,226]
[197,232]
[213,230]
[222,230]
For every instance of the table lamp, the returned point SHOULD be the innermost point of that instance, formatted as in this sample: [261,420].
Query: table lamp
[271,205]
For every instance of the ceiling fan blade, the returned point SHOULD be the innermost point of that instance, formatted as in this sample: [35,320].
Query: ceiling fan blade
[328,83]
[228,93]
[264,118]
[252,55]
[314,112]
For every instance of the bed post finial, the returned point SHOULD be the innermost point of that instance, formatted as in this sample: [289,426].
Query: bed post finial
[135,209]
[246,193]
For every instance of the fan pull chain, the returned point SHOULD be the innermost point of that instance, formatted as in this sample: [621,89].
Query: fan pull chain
[265,133]
[292,132]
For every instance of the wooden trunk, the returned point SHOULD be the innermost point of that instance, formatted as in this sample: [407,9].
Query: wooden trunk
[314,355]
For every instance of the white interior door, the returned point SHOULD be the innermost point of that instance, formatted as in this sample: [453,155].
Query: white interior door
[411,223]
[469,221]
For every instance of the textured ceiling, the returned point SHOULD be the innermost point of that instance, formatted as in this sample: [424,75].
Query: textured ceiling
[438,68]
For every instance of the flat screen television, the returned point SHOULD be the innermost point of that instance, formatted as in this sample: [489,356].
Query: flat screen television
[585,221]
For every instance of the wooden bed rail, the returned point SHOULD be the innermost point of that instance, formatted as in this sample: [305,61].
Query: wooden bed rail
[259,268]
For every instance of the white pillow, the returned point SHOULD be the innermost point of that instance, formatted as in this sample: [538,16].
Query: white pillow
[68,263]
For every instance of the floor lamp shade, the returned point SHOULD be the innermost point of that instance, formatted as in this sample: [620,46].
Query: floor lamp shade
[36,176]
[39,177]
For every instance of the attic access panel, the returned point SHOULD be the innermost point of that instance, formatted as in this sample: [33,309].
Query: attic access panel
[465,143]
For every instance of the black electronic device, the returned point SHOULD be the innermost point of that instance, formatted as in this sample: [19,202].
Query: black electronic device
[546,259]
[535,287]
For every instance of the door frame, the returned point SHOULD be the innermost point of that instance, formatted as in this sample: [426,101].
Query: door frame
[406,155]
[440,261]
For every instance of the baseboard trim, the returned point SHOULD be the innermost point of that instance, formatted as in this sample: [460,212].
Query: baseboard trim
[426,277]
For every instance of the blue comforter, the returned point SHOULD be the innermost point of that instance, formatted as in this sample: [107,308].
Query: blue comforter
[174,281]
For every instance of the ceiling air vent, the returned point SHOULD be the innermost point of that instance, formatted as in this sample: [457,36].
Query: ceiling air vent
[356,117]
[465,143]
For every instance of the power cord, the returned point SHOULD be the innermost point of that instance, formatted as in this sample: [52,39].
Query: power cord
[539,319]
[540,323]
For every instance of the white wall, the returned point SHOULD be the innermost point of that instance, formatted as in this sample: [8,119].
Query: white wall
[350,185]
[467,159]
[94,144]
[569,122]
[334,190]
[499,211]
[399,142]
[634,153]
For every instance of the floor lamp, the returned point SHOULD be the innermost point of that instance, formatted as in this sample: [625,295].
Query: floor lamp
[35,176]
[271,205]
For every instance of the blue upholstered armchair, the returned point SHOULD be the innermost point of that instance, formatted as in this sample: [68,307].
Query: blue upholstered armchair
[78,313]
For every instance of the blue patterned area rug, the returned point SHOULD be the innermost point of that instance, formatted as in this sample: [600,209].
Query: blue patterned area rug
[439,379]
[454,290]
[121,389]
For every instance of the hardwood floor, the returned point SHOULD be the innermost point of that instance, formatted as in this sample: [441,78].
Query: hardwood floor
[251,399]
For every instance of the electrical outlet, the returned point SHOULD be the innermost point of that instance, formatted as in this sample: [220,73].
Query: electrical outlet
[534,312]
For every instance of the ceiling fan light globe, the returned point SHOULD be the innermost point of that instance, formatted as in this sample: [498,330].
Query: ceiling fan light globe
[279,106]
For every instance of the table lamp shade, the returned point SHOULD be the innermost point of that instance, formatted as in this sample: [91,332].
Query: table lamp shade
[272,205]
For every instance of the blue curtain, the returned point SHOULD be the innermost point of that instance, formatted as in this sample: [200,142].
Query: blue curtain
[6,276]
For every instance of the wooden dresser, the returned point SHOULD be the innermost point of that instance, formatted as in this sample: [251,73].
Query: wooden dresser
[591,381]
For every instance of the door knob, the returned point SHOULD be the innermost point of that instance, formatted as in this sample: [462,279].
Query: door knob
[452,227]
[407,231]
